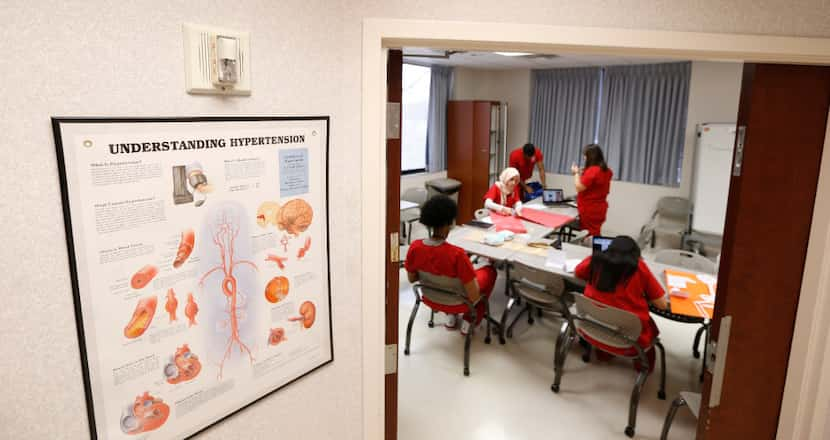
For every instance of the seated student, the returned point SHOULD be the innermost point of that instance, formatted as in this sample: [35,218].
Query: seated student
[436,256]
[504,197]
[620,278]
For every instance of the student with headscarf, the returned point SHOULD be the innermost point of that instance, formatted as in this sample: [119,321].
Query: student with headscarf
[620,278]
[593,183]
[504,197]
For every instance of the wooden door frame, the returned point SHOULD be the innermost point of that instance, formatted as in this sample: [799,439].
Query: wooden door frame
[805,395]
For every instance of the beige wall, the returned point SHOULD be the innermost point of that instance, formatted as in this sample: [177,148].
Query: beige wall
[99,58]
[510,86]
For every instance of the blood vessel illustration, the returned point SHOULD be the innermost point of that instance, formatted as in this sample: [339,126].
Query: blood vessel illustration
[276,336]
[143,276]
[190,310]
[142,317]
[185,247]
[172,304]
[307,312]
[224,237]
[147,413]
[306,246]
[185,366]
[277,259]
[277,289]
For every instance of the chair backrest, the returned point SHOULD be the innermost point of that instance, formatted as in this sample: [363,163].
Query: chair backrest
[674,207]
[441,289]
[605,323]
[534,284]
[686,260]
[415,195]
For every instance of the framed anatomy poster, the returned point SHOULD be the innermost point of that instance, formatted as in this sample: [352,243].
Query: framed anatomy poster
[199,257]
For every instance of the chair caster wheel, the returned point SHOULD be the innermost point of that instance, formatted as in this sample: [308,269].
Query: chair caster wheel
[487,340]
[554,388]
[406,352]
[661,395]
[531,321]
[586,358]
[696,355]
[502,341]
[629,431]
[430,324]
[466,371]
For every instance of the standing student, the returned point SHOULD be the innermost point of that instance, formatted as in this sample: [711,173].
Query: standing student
[592,188]
[620,278]
[504,196]
[523,159]
[436,256]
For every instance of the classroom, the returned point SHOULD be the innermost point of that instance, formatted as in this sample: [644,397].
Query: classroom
[674,161]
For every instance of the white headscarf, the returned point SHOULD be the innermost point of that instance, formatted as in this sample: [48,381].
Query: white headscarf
[505,177]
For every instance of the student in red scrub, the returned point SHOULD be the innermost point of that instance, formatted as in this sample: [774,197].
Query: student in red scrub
[524,159]
[592,187]
[504,196]
[436,256]
[620,278]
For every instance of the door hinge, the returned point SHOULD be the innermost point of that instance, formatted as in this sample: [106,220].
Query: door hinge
[391,358]
[393,120]
[739,151]
[716,360]
[394,248]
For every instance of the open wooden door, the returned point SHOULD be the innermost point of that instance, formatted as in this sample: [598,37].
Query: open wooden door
[394,81]
[782,120]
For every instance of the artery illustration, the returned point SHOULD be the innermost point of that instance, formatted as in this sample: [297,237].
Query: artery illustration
[185,247]
[190,310]
[172,304]
[224,238]
[142,317]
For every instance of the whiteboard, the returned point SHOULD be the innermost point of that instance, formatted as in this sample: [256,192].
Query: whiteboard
[713,166]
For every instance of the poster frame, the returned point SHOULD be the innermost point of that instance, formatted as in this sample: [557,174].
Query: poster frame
[57,122]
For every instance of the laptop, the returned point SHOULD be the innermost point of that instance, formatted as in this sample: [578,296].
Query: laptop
[553,196]
[600,243]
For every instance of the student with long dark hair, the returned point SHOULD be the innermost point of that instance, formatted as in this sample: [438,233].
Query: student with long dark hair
[436,256]
[620,278]
[592,187]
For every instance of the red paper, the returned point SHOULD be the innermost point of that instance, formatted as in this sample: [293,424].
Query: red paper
[543,218]
[508,223]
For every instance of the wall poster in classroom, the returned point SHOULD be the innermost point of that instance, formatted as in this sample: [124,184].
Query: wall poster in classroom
[198,251]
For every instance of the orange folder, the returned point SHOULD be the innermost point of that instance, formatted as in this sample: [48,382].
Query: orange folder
[693,305]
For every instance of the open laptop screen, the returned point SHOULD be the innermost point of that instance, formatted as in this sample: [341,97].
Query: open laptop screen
[552,195]
[601,243]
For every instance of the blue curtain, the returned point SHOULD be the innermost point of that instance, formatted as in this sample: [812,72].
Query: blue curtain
[563,114]
[440,87]
[643,121]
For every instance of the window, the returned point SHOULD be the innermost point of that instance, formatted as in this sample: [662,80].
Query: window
[414,110]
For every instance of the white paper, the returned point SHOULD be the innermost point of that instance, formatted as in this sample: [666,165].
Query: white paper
[556,259]
[679,281]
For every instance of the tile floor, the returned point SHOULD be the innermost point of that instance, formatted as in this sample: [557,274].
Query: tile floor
[507,395]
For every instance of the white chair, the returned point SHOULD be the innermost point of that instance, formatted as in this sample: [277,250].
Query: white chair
[412,215]
[670,222]
[615,328]
[692,400]
[446,294]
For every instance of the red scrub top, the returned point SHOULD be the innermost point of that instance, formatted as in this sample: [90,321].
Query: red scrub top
[494,194]
[631,295]
[444,259]
[591,202]
[524,164]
